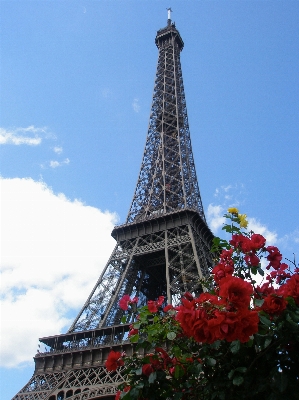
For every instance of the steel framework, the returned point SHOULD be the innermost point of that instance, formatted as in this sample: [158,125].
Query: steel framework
[162,249]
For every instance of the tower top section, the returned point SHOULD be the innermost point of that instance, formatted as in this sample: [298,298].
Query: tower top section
[167,181]
[168,33]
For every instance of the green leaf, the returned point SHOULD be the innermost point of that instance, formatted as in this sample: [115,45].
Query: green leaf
[281,381]
[171,335]
[291,301]
[134,393]
[199,368]
[241,369]
[138,371]
[264,320]
[227,228]
[211,362]
[144,344]
[290,320]
[216,344]
[218,244]
[123,319]
[136,325]
[235,346]
[178,396]
[259,302]
[134,338]
[152,377]
[176,351]
[267,341]
[238,380]
[178,372]
[294,316]
[261,271]
[231,374]
[139,385]
[216,240]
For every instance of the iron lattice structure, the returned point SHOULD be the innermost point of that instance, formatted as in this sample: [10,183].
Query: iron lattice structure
[162,249]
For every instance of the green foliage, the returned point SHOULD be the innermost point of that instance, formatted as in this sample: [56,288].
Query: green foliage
[168,364]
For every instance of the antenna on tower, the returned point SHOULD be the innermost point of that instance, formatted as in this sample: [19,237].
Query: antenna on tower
[169,11]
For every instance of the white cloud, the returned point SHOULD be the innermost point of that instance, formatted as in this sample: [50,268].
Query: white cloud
[58,150]
[30,136]
[55,164]
[232,193]
[227,188]
[289,242]
[257,227]
[52,252]
[215,217]
[136,105]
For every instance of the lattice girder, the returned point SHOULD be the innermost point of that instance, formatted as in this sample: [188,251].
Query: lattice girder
[175,239]
[78,384]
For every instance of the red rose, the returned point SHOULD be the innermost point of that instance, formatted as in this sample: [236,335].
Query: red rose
[152,306]
[274,305]
[186,316]
[133,332]
[171,370]
[274,257]
[237,291]
[210,299]
[257,241]
[188,296]
[280,274]
[199,329]
[252,259]
[147,369]
[264,290]
[168,307]
[164,356]
[239,325]
[247,326]
[126,389]
[124,302]
[221,271]
[215,328]
[154,361]
[291,288]
[113,361]
[242,242]
[226,257]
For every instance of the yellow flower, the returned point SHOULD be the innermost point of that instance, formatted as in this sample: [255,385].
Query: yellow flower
[233,210]
[243,220]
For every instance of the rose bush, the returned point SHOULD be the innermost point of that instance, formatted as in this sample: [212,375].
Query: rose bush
[237,340]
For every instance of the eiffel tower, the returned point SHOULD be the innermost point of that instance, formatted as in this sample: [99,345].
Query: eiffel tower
[161,249]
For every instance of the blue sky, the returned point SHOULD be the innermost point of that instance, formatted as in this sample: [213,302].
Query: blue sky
[76,89]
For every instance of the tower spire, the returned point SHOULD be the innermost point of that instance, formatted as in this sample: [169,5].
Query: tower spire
[169,11]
